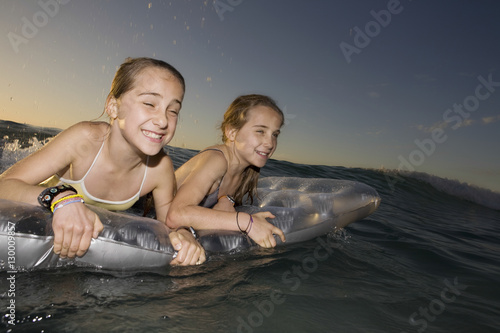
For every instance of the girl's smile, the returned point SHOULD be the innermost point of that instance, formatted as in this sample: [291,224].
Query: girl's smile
[256,141]
[154,137]
[147,114]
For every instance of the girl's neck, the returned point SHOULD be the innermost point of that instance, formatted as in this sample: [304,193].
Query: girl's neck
[121,154]
[235,166]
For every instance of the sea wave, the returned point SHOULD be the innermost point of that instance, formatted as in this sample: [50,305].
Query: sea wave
[21,140]
[456,188]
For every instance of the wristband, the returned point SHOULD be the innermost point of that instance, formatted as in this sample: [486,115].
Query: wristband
[249,226]
[230,198]
[66,202]
[63,199]
[47,196]
[238,223]
[190,229]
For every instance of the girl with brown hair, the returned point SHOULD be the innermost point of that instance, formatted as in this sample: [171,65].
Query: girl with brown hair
[221,176]
[110,165]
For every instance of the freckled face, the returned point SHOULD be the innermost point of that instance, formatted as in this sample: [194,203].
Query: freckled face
[147,114]
[257,140]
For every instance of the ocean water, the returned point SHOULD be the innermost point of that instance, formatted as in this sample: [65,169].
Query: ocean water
[426,261]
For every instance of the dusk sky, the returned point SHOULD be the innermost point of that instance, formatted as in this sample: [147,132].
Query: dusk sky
[413,85]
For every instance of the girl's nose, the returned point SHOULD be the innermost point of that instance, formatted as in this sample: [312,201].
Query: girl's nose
[268,141]
[160,120]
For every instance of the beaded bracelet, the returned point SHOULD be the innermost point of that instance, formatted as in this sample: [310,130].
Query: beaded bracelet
[66,202]
[47,196]
[68,197]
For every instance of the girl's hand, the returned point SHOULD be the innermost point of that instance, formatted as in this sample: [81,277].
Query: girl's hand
[74,226]
[262,232]
[190,252]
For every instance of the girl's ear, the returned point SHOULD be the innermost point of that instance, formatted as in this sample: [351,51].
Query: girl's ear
[231,133]
[112,107]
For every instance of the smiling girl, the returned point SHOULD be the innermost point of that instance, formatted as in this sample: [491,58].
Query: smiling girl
[110,165]
[220,176]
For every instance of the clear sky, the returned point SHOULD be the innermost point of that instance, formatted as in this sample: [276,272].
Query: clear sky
[403,84]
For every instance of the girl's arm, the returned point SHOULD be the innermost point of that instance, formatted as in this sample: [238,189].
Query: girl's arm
[74,225]
[190,252]
[20,182]
[204,172]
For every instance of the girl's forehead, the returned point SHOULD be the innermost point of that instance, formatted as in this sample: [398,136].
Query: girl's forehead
[152,75]
[156,79]
[263,114]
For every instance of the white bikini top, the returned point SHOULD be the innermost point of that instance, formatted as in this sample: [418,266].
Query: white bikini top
[79,185]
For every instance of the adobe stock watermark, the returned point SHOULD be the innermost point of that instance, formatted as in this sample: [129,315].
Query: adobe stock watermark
[11,273]
[30,28]
[222,6]
[287,116]
[293,279]
[436,306]
[372,29]
[455,116]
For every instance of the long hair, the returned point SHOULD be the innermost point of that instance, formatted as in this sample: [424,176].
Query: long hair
[236,117]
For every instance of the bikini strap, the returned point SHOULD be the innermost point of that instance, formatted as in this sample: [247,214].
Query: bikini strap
[145,173]
[95,160]
[213,149]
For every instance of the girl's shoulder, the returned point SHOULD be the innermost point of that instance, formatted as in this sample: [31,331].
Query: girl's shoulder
[80,134]
[160,166]
[92,129]
[216,154]
[211,158]
[209,161]
[85,133]
[160,170]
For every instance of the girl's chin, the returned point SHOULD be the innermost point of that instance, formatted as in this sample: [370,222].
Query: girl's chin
[260,164]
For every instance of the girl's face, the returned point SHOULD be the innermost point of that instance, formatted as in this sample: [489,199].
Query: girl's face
[147,114]
[256,141]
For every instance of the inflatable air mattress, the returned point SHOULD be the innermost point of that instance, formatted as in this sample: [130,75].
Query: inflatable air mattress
[304,209]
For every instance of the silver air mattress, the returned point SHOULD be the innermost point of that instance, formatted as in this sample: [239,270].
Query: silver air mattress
[305,208]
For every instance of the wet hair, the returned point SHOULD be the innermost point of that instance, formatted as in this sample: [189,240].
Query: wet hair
[125,75]
[236,117]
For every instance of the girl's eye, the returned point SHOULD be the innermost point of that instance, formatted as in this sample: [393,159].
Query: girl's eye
[174,112]
[149,104]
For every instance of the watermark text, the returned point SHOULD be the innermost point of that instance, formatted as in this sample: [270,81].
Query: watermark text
[11,273]
[293,279]
[436,306]
[30,28]
[222,6]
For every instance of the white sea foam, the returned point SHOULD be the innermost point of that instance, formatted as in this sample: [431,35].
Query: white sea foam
[12,152]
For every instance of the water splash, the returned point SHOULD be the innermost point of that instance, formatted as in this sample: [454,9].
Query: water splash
[12,152]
